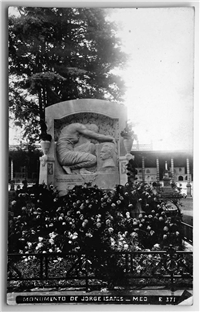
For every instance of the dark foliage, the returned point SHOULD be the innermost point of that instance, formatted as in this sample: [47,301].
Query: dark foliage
[58,54]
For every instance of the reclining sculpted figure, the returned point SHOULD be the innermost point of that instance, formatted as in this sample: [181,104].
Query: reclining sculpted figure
[74,149]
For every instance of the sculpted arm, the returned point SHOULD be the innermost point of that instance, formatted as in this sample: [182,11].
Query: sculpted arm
[96,136]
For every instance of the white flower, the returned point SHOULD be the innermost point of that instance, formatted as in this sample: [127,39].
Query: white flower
[137,248]
[13,202]
[40,239]
[89,235]
[108,221]
[138,268]
[52,234]
[39,245]
[51,241]
[125,246]
[134,234]
[50,250]
[121,238]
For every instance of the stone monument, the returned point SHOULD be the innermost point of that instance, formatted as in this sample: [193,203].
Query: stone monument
[86,146]
[168,192]
[167,180]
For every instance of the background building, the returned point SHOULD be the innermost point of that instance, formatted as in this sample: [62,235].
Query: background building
[151,166]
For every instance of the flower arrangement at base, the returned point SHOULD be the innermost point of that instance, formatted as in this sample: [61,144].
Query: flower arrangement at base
[94,222]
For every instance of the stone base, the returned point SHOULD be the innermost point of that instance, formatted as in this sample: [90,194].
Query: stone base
[46,170]
[122,170]
[168,189]
[65,182]
[189,193]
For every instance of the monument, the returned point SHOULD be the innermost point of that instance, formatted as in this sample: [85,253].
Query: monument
[86,145]
[167,178]
[168,192]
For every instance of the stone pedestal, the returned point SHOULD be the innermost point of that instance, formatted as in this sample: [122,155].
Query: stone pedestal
[103,180]
[122,170]
[167,188]
[166,181]
[189,193]
[46,170]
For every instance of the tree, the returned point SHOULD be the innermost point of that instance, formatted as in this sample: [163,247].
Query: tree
[58,54]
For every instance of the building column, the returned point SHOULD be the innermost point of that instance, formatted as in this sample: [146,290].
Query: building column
[189,180]
[172,169]
[11,170]
[157,171]
[12,184]
[143,169]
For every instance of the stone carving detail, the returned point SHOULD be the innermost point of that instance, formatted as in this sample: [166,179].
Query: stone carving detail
[64,165]
[106,125]
[75,149]
[108,155]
